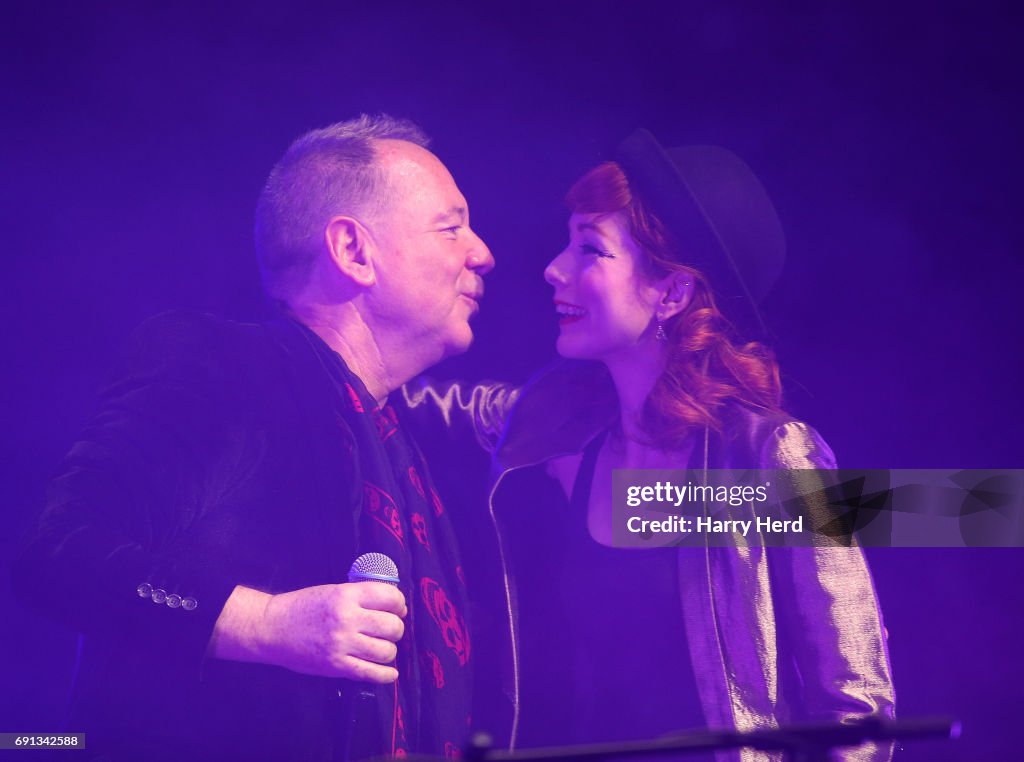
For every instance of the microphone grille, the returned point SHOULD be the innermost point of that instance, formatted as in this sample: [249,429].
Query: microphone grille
[375,567]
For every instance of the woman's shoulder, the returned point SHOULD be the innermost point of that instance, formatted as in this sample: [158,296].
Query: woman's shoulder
[794,444]
[774,439]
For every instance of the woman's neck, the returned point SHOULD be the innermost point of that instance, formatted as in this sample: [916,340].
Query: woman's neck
[634,377]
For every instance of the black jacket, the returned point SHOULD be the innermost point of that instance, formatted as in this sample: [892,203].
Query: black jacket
[216,459]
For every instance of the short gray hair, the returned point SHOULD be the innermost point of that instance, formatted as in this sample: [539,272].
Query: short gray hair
[326,172]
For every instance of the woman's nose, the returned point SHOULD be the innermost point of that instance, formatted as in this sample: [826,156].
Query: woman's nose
[554,273]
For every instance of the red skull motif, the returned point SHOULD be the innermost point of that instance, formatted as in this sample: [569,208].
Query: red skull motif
[447,618]
[398,739]
[438,506]
[419,528]
[386,421]
[417,482]
[432,663]
[353,398]
[382,509]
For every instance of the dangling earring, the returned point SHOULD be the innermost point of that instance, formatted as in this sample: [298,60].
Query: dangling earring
[660,334]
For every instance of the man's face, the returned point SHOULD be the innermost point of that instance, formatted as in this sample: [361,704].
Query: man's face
[431,264]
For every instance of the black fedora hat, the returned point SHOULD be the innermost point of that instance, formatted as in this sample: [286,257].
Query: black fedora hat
[720,215]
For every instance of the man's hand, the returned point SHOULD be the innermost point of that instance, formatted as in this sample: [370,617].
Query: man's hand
[347,630]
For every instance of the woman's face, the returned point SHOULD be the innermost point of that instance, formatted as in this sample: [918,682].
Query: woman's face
[606,303]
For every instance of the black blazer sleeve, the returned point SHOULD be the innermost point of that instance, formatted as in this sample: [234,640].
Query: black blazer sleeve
[112,551]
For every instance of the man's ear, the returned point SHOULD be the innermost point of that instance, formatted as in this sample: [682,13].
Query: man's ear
[676,294]
[351,250]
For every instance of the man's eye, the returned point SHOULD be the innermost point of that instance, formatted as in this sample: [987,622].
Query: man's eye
[587,248]
[454,229]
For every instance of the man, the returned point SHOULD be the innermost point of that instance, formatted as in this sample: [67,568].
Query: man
[200,532]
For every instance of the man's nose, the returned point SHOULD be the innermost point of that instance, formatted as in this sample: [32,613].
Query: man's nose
[480,259]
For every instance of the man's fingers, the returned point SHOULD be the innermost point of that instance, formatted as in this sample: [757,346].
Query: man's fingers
[355,668]
[342,630]
[379,624]
[381,597]
[374,649]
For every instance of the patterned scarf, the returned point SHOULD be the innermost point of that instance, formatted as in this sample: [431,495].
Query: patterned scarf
[427,710]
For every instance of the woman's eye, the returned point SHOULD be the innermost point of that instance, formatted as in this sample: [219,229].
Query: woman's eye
[587,248]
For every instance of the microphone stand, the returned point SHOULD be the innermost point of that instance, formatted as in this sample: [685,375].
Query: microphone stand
[801,743]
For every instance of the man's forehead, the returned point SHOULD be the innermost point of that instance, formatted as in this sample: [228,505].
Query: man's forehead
[456,213]
[403,157]
[415,173]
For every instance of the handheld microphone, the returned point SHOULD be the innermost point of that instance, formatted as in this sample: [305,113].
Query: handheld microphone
[374,567]
[358,710]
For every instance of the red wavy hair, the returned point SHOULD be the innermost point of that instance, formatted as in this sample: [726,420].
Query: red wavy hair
[707,366]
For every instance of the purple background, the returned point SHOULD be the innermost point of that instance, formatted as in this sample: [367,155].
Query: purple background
[135,141]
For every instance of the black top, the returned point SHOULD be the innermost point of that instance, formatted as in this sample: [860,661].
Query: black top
[604,646]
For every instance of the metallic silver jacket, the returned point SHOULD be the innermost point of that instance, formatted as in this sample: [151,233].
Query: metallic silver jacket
[775,635]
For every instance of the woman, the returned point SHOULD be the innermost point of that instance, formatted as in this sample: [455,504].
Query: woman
[619,644]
